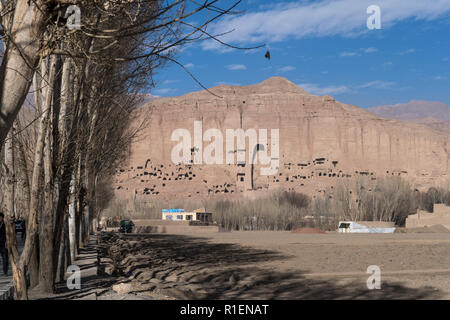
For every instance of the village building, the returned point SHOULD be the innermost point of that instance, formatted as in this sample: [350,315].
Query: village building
[200,215]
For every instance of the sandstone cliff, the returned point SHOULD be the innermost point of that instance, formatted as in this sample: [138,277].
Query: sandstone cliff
[321,142]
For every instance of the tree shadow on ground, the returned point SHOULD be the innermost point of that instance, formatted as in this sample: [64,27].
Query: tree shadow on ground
[187,250]
[194,268]
[89,284]
[259,283]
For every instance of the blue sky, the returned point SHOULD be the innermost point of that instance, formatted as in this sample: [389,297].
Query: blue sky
[325,47]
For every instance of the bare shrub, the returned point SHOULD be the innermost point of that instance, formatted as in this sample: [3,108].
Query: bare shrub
[277,211]
[387,199]
[447,198]
[296,199]
[426,200]
[266,213]
[439,195]
[434,195]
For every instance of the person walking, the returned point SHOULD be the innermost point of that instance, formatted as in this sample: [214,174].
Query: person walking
[3,248]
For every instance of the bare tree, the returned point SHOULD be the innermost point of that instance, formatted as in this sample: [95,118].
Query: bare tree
[86,84]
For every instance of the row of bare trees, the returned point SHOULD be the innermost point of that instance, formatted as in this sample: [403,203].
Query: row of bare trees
[82,85]
[83,113]
[385,199]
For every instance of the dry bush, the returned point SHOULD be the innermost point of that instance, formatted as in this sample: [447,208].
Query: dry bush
[434,195]
[386,199]
[298,200]
[267,213]
[426,201]
[361,199]
[278,211]
[139,209]
[439,195]
[447,199]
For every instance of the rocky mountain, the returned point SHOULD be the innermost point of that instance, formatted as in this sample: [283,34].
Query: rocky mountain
[320,142]
[433,114]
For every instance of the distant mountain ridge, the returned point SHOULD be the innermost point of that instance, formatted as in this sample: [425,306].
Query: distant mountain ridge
[433,114]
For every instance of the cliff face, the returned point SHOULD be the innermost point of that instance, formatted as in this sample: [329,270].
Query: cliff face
[321,141]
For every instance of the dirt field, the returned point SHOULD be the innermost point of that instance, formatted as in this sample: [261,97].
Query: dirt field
[279,265]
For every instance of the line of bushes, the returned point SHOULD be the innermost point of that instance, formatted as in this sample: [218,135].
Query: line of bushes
[386,199]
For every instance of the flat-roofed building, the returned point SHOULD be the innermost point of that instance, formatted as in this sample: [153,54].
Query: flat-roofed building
[200,215]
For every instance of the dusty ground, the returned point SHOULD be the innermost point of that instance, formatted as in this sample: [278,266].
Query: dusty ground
[277,265]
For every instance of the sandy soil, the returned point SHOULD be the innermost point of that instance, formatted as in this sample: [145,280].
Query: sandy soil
[279,265]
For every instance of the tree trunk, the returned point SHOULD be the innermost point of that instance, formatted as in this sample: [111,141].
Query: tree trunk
[64,152]
[46,222]
[10,177]
[86,223]
[19,276]
[68,261]
[33,268]
[60,270]
[11,240]
[21,56]
[78,216]
[72,223]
